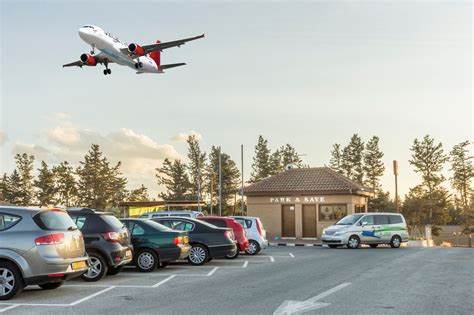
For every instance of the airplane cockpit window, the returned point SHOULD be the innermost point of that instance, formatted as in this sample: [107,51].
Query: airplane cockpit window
[88,26]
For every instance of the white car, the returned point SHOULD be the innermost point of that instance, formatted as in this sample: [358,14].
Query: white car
[255,233]
[367,228]
[183,213]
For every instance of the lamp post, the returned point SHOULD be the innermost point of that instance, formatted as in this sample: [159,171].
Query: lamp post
[395,172]
[220,182]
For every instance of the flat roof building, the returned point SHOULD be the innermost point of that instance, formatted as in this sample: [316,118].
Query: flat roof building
[299,203]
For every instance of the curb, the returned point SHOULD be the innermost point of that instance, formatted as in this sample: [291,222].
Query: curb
[294,244]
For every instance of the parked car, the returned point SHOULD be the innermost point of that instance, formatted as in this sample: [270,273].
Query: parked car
[239,232]
[255,233]
[367,228]
[207,241]
[38,247]
[156,245]
[183,213]
[107,242]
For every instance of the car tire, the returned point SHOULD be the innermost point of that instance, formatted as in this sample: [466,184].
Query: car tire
[97,268]
[234,254]
[395,242]
[147,260]
[51,285]
[333,246]
[114,270]
[253,248]
[10,274]
[373,245]
[198,255]
[210,259]
[353,242]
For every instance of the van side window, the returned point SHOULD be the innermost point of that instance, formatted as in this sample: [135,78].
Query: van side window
[368,220]
[395,219]
[381,219]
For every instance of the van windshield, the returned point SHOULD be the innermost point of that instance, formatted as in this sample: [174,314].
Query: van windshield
[349,220]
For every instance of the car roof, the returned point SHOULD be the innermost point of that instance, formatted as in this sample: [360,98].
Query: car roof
[384,213]
[182,211]
[20,210]
[216,218]
[88,211]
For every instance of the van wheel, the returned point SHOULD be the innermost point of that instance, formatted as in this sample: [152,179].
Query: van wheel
[253,248]
[11,281]
[373,245]
[395,242]
[51,286]
[353,242]
[97,268]
[147,260]
[198,255]
[114,270]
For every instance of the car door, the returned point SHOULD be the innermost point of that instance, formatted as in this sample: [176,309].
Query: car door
[138,233]
[382,225]
[368,234]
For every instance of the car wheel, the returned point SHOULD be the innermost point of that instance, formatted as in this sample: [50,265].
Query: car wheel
[333,246]
[253,248]
[373,245]
[395,242]
[147,260]
[234,254]
[210,259]
[114,270]
[51,286]
[198,255]
[353,242]
[11,281]
[97,268]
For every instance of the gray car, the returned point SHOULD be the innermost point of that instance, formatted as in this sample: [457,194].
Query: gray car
[38,247]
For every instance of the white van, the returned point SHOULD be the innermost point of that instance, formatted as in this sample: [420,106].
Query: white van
[182,213]
[367,228]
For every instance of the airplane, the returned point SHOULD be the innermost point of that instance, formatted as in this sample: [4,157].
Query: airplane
[144,59]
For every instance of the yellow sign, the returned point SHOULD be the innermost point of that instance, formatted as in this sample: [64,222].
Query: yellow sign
[136,211]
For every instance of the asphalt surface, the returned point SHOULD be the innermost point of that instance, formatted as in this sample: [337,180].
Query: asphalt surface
[331,281]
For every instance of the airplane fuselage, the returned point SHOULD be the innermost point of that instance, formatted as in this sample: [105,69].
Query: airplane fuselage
[111,47]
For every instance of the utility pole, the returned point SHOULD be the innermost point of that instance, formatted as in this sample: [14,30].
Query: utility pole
[212,189]
[242,184]
[199,185]
[395,172]
[220,182]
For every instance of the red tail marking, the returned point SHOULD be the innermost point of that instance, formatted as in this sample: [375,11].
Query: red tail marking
[156,55]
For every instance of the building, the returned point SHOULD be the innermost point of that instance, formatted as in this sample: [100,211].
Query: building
[300,203]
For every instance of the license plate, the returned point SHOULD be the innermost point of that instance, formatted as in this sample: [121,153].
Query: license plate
[79,265]
[128,253]
[186,239]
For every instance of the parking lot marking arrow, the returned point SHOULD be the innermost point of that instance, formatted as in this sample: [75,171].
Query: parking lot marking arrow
[297,307]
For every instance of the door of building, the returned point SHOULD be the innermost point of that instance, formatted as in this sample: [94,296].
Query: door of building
[288,220]
[309,221]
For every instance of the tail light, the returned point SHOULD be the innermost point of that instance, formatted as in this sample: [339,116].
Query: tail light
[229,235]
[113,237]
[51,239]
[178,240]
[259,228]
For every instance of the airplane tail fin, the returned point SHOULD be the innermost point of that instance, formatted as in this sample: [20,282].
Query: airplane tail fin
[156,56]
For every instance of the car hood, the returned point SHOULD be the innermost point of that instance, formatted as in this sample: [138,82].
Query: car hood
[335,228]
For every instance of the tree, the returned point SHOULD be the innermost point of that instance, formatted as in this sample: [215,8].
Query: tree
[175,179]
[46,191]
[66,186]
[261,167]
[196,167]
[5,189]
[373,165]
[117,185]
[284,156]
[381,203]
[336,158]
[230,178]
[24,165]
[352,159]
[139,194]
[463,173]
[14,193]
[428,159]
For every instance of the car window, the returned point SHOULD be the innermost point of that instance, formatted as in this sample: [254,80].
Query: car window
[54,220]
[381,219]
[368,220]
[167,223]
[395,219]
[112,221]
[182,226]
[241,221]
[8,220]
[128,225]
[137,229]
[219,223]
[157,215]
[80,221]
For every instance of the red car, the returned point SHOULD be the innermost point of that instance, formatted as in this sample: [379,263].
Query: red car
[239,232]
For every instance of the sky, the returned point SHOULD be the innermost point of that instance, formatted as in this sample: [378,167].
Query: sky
[308,73]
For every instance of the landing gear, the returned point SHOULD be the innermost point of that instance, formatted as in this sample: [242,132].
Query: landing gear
[107,70]
[93,50]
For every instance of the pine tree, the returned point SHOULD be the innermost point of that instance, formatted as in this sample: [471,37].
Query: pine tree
[139,194]
[428,159]
[46,191]
[15,193]
[336,158]
[353,156]
[373,165]
[276,164]
[66,186]
[5,189]
[117,186]
[175,179]
[196,167]
[282,157]
[261,167]
[24,165]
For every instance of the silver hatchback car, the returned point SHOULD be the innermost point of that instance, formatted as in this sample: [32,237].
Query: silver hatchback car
[38,247]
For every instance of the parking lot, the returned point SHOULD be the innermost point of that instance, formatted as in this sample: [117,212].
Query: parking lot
[279,280]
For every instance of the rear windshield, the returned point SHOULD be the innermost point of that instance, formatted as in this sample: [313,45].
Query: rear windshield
[219,223]
[54,220]
[112,221]
[157,226]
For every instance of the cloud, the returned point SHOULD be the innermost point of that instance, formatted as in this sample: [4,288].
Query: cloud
[39,152]
[183,136]
[3,137]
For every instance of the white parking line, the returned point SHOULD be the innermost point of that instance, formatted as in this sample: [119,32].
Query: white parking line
[212,271]
[272,259]
[246,263]
[9,308]
[163,281]
[291,255]
[91,296]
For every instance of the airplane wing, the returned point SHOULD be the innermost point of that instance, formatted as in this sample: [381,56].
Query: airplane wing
[99,58]
[75,63]
[172,65]
[161,46]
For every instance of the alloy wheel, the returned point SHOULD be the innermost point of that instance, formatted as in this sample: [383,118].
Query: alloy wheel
[197,254]
[252,248]
[146,260]
[7,281]
[94,269]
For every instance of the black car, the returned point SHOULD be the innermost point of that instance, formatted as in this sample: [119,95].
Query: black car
[207,241]
[107,242]
[155,245]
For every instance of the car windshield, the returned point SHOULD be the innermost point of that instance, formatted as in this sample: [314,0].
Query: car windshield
[54,220]
[349,220]
[113,222]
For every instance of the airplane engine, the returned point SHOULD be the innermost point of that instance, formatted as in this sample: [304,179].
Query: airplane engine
[88,60]
[136,49]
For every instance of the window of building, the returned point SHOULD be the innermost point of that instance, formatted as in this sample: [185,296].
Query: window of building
[332,212]
[359,208]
